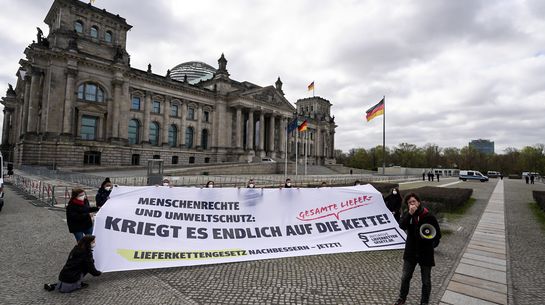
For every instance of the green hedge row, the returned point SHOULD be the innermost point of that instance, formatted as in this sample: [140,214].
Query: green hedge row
[539,197]
[441,199]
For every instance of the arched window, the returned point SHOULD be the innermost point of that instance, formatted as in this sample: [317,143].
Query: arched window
[94,31]
[90,92]
[172,132]
[154,133]
[189,137]
[78,26]
[204,139]
[108,36]
[134,131]
[174,110]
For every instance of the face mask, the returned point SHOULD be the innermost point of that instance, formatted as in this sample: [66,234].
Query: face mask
[81,197]
[210,185]
[288,184]
[108,188]
[93,244]
[251,185]
[394,192]
[165,183]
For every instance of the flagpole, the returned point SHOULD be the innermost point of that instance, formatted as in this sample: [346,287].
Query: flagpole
[384,137]
[306,150]
[296,145]
[286,155]
[313,85]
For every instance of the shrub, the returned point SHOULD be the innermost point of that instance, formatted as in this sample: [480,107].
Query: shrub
[539,197]
[441,199]
[515,176]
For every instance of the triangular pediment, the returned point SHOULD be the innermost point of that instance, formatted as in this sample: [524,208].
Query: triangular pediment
[269,96]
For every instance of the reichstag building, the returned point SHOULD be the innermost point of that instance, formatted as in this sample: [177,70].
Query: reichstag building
[78,102]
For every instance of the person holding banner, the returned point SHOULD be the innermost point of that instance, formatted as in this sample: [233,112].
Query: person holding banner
[287,184]
[78,215]
[251,184]
[79,263]
[393,203]
[419,247]
[103,193]
[210,184]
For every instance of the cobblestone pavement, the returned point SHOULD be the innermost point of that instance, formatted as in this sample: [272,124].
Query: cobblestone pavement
[526,244]
[35,242]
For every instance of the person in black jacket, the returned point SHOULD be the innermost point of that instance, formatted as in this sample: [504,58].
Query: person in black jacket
[393,203]
[103,193]
[79,263]
[418,250]
[78,215]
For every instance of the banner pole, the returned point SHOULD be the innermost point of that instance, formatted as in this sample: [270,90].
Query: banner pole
[296,146]
[286,156]
[306,150]
[384,137]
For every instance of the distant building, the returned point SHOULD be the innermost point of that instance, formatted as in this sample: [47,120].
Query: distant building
[484,146]
[77,101]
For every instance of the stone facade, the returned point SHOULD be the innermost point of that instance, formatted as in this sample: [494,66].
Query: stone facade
[78,102]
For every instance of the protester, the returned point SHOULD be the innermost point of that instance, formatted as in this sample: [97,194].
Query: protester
[287,183]
[357,182]
[166,182]
[78,215]
[103,193]
[393,203]
[251,184]
[323,184]
[79,263]
[418,250]
[210,184]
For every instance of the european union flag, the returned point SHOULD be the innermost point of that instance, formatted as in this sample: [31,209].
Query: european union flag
[293,125]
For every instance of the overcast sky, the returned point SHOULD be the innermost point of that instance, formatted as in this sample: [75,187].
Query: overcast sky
[451,71]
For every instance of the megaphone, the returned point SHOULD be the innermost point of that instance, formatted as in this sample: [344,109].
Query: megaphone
[427,231]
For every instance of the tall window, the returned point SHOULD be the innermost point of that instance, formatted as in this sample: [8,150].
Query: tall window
[135,159]
[90,92]
[190,113]
[172,139]
[134,131]
[78,26]
[108,36]
[88,127]
[135,105]
[154,133]
[174,110]
[94,31]
[156,107]
[189,137]
[174,159]
[206,116]
[204,139]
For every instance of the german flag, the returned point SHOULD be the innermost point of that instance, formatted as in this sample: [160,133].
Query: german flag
[303,126]
[375,111]
[311,86]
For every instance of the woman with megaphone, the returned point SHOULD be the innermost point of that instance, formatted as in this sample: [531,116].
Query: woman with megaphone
[423,234]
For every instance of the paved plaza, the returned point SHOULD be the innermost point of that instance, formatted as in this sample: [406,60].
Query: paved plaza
[35,242]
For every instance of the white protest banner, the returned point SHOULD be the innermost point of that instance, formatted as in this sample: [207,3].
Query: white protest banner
[161,226]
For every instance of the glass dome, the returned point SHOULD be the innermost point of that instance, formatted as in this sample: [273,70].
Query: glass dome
[196,71]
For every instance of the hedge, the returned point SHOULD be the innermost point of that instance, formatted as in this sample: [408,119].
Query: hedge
[539,197]
[441,199]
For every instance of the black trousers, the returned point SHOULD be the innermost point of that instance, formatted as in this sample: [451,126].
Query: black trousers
[406,276]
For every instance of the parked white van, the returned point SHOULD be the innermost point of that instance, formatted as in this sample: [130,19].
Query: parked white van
[472,175]
[493,174]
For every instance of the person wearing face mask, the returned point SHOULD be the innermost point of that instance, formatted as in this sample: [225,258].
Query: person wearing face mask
[103,193]
[79,263]
[393,203]
[210,184]
[166,182]
[251,184]
[287,184]
[78,215]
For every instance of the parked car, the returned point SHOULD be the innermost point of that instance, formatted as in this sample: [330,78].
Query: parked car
[472,175]
[267,160]
[493,174]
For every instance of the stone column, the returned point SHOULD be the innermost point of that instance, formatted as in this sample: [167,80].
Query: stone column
[261,144]
[34,101]
[118,88]
[271,136]
[69,98]
[26,100]
[239,129]
[332,145]
[250,139]
[5,127]
[183,127]
[282,137]
[166,125]
[147,108]
[124,106]
[198,132]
